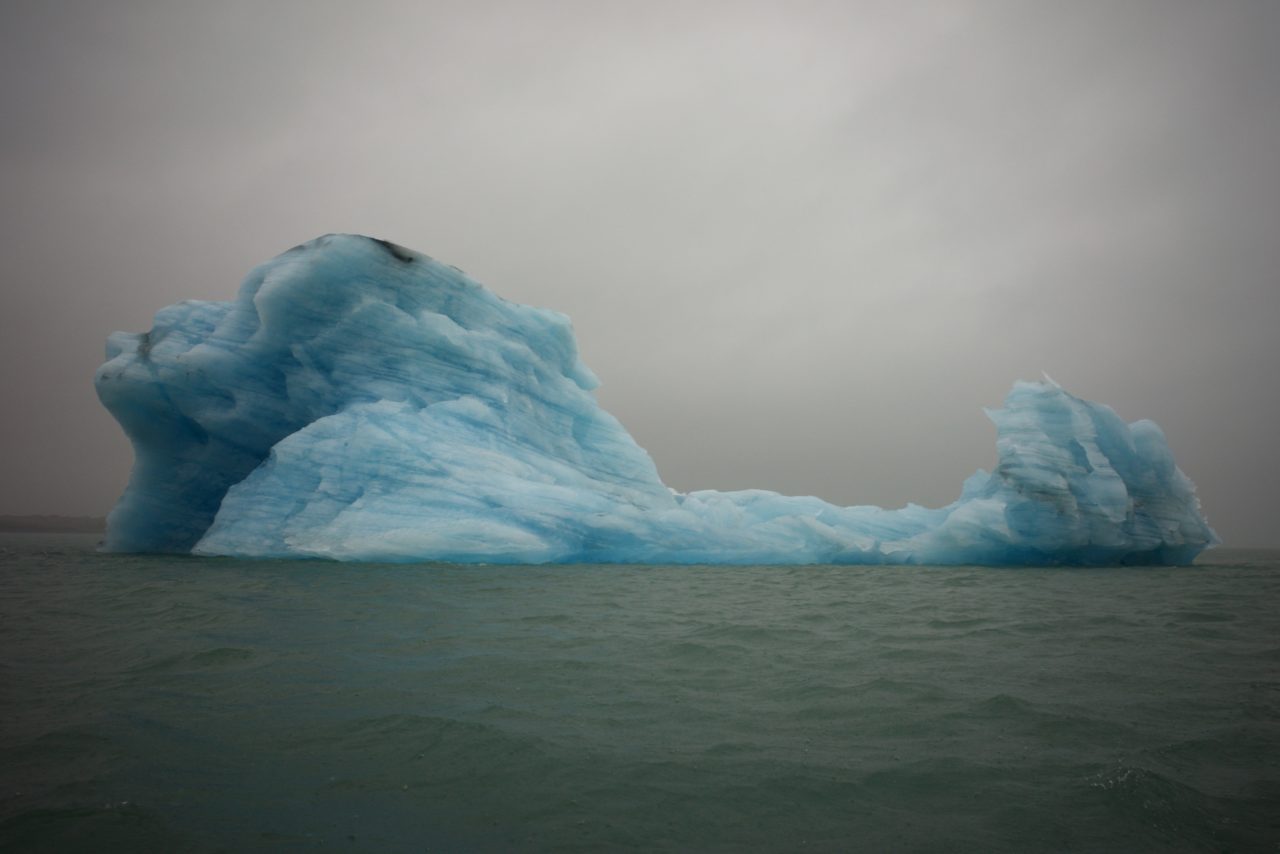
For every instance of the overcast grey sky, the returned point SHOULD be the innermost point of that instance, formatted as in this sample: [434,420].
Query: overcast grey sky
[803,243]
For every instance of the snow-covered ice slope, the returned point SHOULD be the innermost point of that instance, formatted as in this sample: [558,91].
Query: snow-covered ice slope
[360,401]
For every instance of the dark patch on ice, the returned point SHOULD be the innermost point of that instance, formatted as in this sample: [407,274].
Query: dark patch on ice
[311,245]
[397,252]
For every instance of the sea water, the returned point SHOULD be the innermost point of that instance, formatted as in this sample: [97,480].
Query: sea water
[203,704]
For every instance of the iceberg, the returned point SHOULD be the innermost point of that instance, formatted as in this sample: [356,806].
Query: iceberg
[359,401]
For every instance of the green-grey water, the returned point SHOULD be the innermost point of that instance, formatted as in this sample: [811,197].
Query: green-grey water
[181,704]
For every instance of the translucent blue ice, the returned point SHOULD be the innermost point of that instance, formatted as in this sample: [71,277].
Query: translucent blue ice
[360,401]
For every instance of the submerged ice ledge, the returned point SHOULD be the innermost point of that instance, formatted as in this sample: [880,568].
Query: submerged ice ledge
[359,401]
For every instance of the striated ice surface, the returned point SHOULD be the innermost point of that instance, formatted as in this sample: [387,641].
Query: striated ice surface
[359,401]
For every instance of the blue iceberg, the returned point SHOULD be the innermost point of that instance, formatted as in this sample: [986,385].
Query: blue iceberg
[360,401]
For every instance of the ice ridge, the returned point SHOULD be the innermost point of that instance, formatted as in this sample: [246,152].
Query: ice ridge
[360,401]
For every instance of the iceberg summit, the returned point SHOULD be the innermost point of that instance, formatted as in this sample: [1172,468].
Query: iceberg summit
[360,401]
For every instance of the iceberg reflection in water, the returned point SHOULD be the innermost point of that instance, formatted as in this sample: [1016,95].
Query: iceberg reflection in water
[359,401]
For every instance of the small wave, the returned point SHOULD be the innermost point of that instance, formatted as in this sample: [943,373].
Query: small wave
[1167,810]
[753,634]
[1204,617]
[222,656]
[118,826]
[958,623]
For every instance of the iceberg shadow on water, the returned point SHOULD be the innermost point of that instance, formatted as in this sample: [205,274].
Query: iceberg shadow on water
[360,401]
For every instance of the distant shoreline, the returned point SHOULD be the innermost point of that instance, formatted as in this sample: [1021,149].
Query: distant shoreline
[54,524]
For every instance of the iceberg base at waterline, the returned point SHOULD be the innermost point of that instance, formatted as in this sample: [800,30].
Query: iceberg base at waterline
[360,401]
